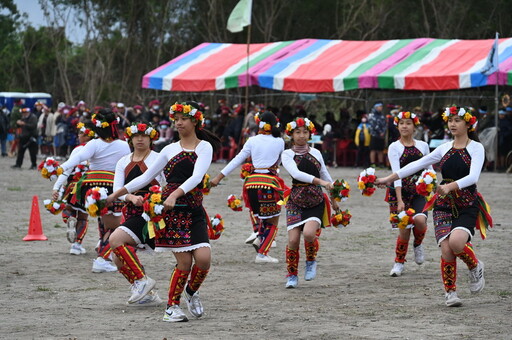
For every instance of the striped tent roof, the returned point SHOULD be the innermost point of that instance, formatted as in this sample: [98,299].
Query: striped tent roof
[313,65]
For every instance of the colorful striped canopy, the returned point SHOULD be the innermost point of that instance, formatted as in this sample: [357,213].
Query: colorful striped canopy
[311,65]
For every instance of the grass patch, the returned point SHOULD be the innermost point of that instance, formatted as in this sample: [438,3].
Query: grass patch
[504,293]
[14,189]
[43,289]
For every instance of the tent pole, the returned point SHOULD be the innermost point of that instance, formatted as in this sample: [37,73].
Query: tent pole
[247,70]
[496,121]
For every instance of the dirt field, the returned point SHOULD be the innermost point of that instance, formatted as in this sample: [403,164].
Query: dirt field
[49,294]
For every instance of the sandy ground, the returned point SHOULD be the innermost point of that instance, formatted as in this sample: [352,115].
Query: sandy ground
[49,294]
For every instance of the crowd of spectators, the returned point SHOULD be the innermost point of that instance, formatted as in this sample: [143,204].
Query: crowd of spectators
[362,136]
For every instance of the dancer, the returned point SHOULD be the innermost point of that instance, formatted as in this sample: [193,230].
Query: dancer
[306,203]
[73,215]
[402,195]
[262,187]
[184,164]
[128,237]
[458,202]
[102,154]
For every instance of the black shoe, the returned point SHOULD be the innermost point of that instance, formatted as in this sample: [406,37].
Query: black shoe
[4,155]
[33,167]
[15,166]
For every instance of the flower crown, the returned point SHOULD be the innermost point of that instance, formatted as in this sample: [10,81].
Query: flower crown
[86,131]
[141,128]
[463,113]
[407,115]
[186,109]
[102,123]
[262,125]
[300,122]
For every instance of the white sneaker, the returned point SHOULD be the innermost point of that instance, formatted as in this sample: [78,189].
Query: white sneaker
[292,281]
[476,278]
[77,249]
[174,314]
[150,300]
[141,288]
[71,229]
[265,259]
[419,256]
[452,300]
[397,269]
[100,265]
[195,307]
[251,238]
[310,272]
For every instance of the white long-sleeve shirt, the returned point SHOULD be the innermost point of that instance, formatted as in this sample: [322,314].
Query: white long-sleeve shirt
[475,150]
[64,176]
[395,151]
[204,152]
[120,174]
[100,154]
[291,166]
[264,151]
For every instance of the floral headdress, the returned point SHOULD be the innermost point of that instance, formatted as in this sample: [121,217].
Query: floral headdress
[262,125]
[407,115]
[86,131]
[141,128]
[464,113]
[187,109]
[103,123]
[299,122]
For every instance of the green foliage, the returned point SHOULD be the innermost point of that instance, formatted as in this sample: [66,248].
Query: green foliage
[127,38]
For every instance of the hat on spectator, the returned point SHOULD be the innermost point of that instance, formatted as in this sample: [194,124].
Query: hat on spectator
[379,103]
[482,110]
[61,105]
[120,104]
[154,102]
[137,107]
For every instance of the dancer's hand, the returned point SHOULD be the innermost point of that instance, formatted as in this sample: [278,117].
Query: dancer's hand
[214,182]
[334,204]
[169,203]
[443,189]
[400,206]
[136,200]
[110,199]
[55,195]
[327,185]
[382,182]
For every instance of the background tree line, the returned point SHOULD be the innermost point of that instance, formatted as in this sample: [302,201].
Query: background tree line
[124,39]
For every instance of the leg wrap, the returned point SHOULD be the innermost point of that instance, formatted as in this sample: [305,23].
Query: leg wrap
[67,214]
[401,250]
[292,261]
[131,269]
[197,276]
[267,237]
[176,286]
[81,230]
[104,249]
[255,222]
[418,236]
[468,256]
[101,229]
[311,249]
[449,274]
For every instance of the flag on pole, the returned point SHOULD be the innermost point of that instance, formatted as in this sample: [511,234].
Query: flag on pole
[240,16]
[492,63]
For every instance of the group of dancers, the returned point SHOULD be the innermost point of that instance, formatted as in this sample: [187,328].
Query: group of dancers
[128,170]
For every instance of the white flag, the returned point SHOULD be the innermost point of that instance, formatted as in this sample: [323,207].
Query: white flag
[240,16]
[492,64]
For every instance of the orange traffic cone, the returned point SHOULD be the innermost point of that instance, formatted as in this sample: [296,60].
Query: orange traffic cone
[35,229]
